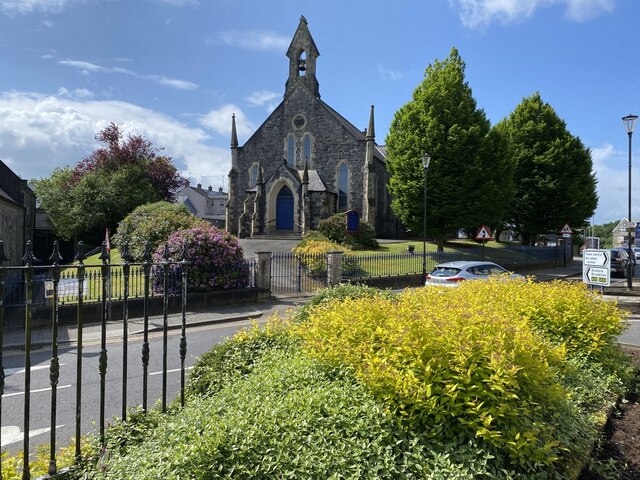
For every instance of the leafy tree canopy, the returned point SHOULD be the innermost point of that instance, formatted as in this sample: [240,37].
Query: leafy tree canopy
[553,176]
[108,184]
[605,233]
[469,180]
[154,222]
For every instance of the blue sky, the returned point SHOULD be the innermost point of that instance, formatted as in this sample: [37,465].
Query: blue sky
[175,71]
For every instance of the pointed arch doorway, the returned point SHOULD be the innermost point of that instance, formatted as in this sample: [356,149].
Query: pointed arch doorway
[284,209]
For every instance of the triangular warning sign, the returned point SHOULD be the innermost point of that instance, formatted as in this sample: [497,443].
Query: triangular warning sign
[484,233]
[566,229]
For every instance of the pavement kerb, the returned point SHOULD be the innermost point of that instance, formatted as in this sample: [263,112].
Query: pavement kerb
[91,332]
[209,321]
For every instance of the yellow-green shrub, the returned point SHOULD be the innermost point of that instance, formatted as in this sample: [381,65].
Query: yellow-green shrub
[461,363]
[12,465]
[313,253]
[569,314]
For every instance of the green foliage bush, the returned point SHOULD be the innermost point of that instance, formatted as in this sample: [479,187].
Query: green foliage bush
[154,222]
[463,363]
[335,229]
[339,292]
[235,358]
[289,418]
[461,383]
[313,254]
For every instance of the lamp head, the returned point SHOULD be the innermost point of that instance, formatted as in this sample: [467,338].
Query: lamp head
[426,159]
[629,122]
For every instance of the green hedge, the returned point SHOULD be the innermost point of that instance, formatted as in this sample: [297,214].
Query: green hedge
[495,380]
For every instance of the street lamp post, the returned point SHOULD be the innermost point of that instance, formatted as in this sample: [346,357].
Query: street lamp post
[629,122]
[425,164]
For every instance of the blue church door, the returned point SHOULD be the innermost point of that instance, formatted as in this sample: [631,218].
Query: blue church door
[284,209]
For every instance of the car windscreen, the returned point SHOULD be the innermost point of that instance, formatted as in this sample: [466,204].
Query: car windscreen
[444,272]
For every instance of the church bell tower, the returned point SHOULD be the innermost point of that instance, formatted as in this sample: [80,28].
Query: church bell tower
[302,54]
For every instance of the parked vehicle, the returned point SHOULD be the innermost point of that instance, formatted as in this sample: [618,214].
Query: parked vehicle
[636,252]
[619,259]
[450,274]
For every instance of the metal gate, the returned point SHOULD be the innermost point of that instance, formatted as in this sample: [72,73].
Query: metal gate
[298,274]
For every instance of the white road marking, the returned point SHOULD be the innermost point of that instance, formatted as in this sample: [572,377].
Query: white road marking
[170,371]
[13,371]
[35,391]
[12,434]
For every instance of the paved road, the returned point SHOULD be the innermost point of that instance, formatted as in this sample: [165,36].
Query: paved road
[199,339]
[250,246]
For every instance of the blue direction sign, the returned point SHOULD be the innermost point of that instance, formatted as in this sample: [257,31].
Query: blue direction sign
[596,269]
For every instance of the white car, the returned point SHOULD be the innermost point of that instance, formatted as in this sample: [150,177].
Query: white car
[450,274]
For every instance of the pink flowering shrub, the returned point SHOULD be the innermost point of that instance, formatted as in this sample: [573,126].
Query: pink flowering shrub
[215,259]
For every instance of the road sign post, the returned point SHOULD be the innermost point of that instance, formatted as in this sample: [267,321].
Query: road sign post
[483,235]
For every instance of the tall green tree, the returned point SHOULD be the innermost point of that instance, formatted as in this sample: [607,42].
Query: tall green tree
[605,233]
[554,179]
[469,180]
[107,185]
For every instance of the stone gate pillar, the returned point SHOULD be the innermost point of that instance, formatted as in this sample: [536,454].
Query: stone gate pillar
[263,270]
[334,268]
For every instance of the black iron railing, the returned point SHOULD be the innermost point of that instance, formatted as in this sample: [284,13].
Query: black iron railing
[30,286]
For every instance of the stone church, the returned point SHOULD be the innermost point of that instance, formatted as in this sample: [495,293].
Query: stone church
[306,161]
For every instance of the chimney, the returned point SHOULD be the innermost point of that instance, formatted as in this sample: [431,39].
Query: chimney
[199,185]
[220,190]
[210,188]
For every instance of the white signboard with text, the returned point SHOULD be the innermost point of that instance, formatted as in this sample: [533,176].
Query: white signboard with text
[596,267]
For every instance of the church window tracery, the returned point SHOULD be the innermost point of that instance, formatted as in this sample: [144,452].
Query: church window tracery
[253,175]
[343,187]
[306,149]
[291,151]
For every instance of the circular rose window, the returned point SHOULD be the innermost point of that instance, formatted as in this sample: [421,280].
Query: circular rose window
[299,121]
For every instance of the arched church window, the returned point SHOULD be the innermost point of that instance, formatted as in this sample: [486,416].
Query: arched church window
[306,149]
[343,187]
[291,151]
[253,176]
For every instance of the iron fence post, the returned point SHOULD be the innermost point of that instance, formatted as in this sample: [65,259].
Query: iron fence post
[79,257]
[165,322]
[28,274]
[183,337]
[105,270]
[126,269]
[146,265]
[54,368]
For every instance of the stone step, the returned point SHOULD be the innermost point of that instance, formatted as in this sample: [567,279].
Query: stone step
[278,236]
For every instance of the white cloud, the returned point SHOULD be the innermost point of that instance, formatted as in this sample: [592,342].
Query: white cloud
[251,40]
[581,10]
[48,23]
[76,93]
[220,121]
[386,74]
[478,13]
[31,6]
[172,82]
[264,98]
[39,133]
[87,68]
[611,169]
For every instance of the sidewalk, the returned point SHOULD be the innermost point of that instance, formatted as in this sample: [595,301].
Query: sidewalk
[91,332]
[68,334]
